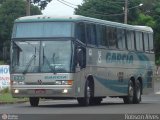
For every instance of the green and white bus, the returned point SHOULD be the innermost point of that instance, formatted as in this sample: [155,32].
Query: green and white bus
[77,57]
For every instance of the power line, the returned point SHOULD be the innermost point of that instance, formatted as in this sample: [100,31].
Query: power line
[96,12]
[116,2]
[110,14]
[93,12]
[69,3]
[65,4]
[104,14]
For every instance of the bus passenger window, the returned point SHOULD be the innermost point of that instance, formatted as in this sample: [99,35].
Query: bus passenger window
[101,36]
[121,39]
[146,42]
[130,40]
[139,41]
[151,45]
[80,32]
[91,34]
[112,37]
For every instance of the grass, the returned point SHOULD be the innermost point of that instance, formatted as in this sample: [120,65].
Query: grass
[5,94]
[6,97]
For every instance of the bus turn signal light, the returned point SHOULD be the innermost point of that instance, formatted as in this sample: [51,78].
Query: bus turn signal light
[70,82]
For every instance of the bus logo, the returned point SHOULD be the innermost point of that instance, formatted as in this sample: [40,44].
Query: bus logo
[119,58]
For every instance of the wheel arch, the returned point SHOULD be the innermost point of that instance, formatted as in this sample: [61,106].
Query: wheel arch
[90,79]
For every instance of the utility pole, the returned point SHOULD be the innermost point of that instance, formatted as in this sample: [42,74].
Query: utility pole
[28,6]
[125,11]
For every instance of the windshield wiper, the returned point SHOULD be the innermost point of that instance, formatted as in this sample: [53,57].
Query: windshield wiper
[29,63]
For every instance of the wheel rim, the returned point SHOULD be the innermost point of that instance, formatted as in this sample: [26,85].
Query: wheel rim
[88,92]
[88,95]
[138,92]
[131,92]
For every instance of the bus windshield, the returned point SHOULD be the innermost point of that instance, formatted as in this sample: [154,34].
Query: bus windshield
[41,56]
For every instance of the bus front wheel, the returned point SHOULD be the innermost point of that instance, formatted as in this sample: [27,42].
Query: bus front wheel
[34,101]
[88,94]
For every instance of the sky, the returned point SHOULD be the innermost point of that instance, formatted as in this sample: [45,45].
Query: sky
[57,8]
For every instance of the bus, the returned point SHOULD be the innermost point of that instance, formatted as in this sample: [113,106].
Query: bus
[82,58]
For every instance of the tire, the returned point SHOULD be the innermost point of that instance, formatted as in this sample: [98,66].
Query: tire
[129,98]
[88,95]
[34,101]
[137,93]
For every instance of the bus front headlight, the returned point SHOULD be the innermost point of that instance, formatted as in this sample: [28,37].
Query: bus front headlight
[58,82]
[64,82]
[17,82]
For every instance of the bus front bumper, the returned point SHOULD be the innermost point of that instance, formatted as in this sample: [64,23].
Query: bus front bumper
[43,91]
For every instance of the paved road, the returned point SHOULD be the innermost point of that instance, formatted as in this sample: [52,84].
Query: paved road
[150,104]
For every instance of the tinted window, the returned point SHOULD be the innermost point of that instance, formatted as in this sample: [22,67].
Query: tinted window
[151,46]
[101,36]
[130,40]
[112,37]
[80,32]
[121,39]
[43,29]
[91,34]
[146,41]
[139,41]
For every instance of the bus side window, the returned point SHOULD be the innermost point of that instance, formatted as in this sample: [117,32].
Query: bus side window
[112,37]
[139,41]
[80,32]
[151,45]
[146,42]
[91,34]
[121,38]
[101,36]
[130,40]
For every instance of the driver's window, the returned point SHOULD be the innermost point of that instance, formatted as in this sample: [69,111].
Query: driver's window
[80,57]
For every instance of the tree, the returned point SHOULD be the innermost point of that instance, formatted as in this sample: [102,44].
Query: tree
[9,11]
[41,3]
[101,9]
[147,15]
[145,20]
[111,10]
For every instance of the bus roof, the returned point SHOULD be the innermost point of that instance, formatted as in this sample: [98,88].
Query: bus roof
[36,18]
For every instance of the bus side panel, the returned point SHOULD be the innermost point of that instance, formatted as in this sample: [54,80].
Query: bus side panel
[113,69]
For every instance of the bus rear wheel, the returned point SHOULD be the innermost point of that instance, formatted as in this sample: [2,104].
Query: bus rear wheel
[137,92]
[34,101]
[129,98]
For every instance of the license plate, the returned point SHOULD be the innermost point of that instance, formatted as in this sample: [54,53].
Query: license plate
[40,91]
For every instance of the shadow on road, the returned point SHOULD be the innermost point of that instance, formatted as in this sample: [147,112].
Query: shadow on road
[74,105]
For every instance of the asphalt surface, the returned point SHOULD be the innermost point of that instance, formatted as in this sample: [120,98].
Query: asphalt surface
[150,105]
